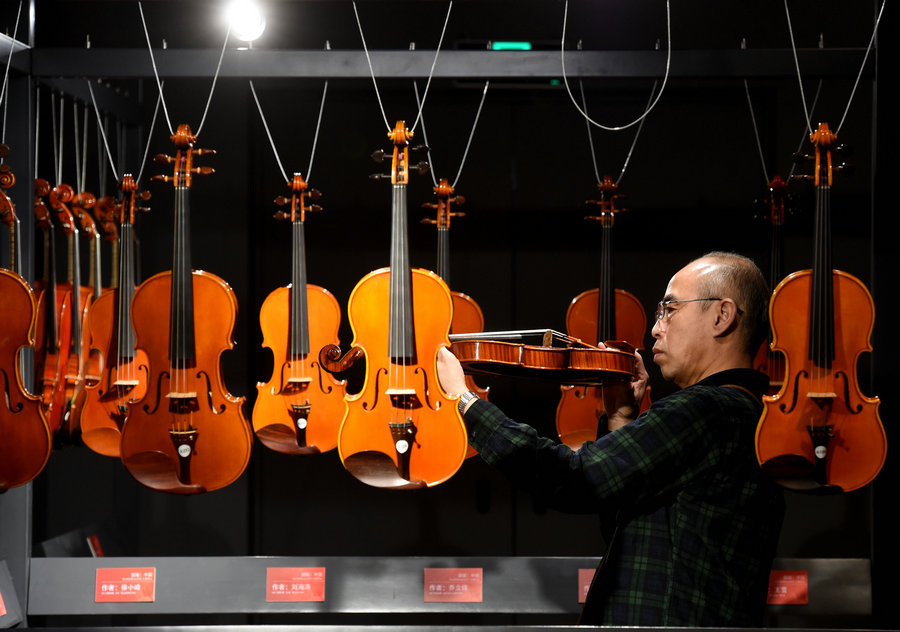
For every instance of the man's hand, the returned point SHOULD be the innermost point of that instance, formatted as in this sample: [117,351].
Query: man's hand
[450,373]
[622,400]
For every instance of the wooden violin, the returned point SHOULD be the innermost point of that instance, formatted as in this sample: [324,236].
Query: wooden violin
[467,314]
[79,346]
[776,205]
[53,330]
[603,313]
[188,434]
[26,440]
[820,433]
[123,375]
[401,430]
[299,410]
[543,354]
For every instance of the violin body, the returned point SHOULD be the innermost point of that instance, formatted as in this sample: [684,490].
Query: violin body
[188,434]
[69,430]
[820,431]
[119,384]
[26,440]
[299,410]
[53,337]
[468,318]
[401,417]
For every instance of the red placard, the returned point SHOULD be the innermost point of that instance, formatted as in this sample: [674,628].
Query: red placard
[585,576]
[125,584]
[295,584]
[788,587]
[2,606]
[453,584]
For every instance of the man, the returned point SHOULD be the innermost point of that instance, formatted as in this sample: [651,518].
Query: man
[692,521]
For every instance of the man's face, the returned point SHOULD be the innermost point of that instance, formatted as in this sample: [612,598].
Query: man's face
[683,333]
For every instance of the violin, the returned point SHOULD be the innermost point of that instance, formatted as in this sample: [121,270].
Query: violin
[543,354]
[53,329]
[401,430]
[820,433]
[603,313]
[776,205]
[26,443]
[299,410]
[69,429]
[123,375]
[107,211]
[188,434]
[467,315]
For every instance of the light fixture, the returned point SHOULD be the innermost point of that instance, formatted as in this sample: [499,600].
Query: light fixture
[245,19]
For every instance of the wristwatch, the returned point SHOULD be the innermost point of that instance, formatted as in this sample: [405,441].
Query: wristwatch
[464,400]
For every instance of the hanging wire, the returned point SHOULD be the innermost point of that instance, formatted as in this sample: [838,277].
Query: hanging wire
[4,96]
[633,141]
[272,141]
[372,70]
[562,48]
[462,162]
[160,85]
[855,83]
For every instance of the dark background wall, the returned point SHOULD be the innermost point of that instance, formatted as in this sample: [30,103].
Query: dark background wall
[523,250]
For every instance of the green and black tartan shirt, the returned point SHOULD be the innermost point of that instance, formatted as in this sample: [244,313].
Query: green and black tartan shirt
[698,521]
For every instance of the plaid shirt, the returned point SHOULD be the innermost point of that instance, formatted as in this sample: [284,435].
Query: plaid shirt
[698,521]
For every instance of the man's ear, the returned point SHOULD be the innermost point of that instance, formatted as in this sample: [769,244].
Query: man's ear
[726,319]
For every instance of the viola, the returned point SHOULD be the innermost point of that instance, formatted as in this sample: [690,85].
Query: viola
[69,429]
[188,434]
[299,410]
[820,433]
[123,375]
[401,430]
[53,329]
[467,314]
[602,313]
[26,443]
[776,205]
[543,354]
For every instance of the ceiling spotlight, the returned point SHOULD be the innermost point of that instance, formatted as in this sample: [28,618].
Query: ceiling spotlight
[245,19]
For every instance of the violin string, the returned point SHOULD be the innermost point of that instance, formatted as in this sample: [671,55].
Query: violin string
[662,89]
[372,70]
[858,76]
[58,136]
[4,95]
[462,162]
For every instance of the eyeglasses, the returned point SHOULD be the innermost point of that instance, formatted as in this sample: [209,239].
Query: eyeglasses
[663,310]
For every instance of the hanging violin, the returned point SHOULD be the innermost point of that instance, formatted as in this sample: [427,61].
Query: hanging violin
[767,361]
[601,314]
[123,376]
[26,441]
[53,330]
[467,314]
[401,430]
[820,433]
[299,410]
[188,434]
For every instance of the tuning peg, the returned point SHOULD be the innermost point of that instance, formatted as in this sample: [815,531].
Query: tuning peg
[844,150]
[429,205]
[203,152]
[378,155]
[162,159]
[281,215]
[144,195]
[847,168]
[314,208]
[281,200]
[422,168]
[203,171]
[459,200]
[314,194]
[380,176]
[161,178]
[799,158]
[420,148]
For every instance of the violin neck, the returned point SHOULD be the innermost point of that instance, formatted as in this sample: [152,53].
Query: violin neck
[15,257]
[299,314]
[181,314]
[96,267]
[606,309]
[821,331]
[75,277]
[776,255]
[50,304]
[401,341]
[116,265]
[125,340]
[443,250]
